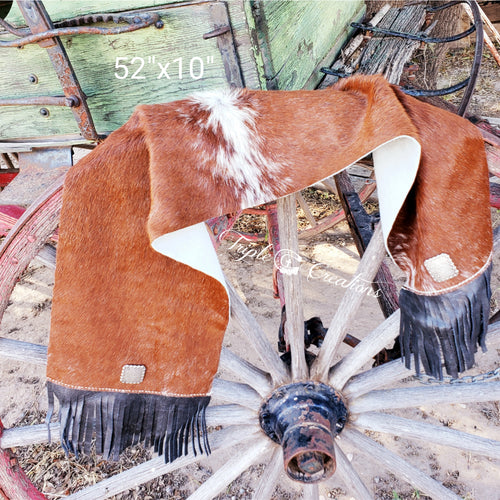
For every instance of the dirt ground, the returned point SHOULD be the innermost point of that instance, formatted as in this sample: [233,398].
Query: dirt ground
[23,399]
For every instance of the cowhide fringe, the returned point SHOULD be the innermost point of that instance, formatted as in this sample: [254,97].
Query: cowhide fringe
[118,420]
[445,327]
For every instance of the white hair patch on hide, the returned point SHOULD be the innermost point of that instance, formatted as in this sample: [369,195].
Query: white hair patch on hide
[241,159]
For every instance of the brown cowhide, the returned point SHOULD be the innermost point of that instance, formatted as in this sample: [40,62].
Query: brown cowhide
[136,335]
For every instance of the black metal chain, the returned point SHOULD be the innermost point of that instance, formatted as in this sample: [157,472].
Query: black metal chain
[467,379]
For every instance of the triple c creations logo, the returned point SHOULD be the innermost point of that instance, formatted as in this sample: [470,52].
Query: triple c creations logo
[289,262]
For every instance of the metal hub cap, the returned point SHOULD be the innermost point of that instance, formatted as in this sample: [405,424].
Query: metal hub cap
[304,419]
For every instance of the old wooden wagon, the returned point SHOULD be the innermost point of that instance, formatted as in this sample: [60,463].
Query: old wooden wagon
[71,73]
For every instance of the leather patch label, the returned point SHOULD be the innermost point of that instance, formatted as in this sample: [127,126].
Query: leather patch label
[132,374]
[441,267]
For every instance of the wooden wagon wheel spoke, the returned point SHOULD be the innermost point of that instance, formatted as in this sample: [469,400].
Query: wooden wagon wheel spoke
[321,224]
[26,352]
[350,477]
[234,392]
[364,351]
[410,429]
[292,289]
[232,469]
[316,224]
[311,492]
[348,307]
[250,374]
[394,371]
[376,378]
[398,466]
[220,415]
[305,208]
[256,337]
[412,397]
[270,475]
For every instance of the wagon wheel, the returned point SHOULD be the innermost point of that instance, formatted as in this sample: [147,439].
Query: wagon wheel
[312,223]
[362,395]
[365,186]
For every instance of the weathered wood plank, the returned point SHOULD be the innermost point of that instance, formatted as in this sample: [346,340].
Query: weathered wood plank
[244,44]
[296,36]
[386,54]
[225,44]
[64,10]
[146,52]
[341,63]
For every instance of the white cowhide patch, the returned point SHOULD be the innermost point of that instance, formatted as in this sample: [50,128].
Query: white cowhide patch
[243,161]
[441,267]
[132,374]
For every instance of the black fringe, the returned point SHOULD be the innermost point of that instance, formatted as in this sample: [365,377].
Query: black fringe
[448,326]
[118,420]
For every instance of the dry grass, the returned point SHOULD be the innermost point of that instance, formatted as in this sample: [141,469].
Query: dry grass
[456,67]
[57,475]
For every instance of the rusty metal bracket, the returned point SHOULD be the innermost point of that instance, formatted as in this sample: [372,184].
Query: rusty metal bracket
[470,82]
[437,92]
[217,32]
[39,22]
[70,101]
[134,18]
[12,29]
[135,22]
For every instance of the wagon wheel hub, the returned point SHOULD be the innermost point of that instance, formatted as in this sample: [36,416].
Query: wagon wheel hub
[304,419]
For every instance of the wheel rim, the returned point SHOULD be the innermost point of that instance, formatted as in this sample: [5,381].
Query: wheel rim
[363,393]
